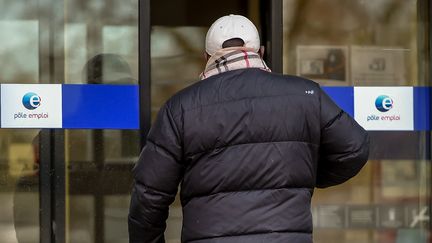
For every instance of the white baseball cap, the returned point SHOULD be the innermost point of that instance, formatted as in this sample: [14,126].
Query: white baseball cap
[229,27]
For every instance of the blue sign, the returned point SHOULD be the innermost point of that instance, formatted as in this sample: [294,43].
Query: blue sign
[117,106]
[100,106]
[422,108]
[343,97]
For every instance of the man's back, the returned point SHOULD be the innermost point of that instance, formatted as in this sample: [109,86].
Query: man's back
[248,147]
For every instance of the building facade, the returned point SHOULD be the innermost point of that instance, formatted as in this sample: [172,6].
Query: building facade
[68,178]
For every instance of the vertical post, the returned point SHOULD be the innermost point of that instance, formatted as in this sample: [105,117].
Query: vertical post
[276,38]
[144,69]
[58,186]
[424,43]
[51,142]
[44,137]
[428,78]
[45,193]
[99,203]
[272,33]
[51,185]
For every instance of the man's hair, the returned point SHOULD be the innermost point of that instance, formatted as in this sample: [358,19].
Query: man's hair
[234,42]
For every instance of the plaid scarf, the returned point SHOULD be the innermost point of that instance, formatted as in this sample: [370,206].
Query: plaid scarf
[233,58]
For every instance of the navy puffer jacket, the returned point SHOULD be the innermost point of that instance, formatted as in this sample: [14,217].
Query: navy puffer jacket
[248,148]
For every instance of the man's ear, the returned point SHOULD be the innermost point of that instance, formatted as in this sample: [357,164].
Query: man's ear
[261,51]
[206,56]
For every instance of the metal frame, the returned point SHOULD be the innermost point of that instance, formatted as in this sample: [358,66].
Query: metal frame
[52,186]
[144,81]
[58,183]
[44,140]
[272,33]
[52,146]
[45,198]
[424,43]
[428,36]
[428,77]
[99,202]
[276,36]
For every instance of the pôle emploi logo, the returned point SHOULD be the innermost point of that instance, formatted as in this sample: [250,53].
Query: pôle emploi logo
[383,103]
[31,101]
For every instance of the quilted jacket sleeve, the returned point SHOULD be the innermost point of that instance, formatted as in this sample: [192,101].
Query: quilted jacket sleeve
[344,145]
[157,175]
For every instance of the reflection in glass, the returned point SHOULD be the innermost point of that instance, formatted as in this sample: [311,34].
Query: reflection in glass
[365,43]
[99,164]
[19,51]
[176,60]
[19,149]
[75,50]
[87,42]
[101,47]
[378,40]
[19,186]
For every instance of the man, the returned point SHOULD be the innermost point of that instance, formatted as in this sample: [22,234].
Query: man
[248,147]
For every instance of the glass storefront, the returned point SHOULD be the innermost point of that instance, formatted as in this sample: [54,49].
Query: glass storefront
[367,43]
[67,42]
[73,185]
[19,186]
[20,62]
[101,47]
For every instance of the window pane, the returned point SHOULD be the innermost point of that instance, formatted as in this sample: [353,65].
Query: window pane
[19,149]
[356,42]
[101,47]
[19,186]
[366,43]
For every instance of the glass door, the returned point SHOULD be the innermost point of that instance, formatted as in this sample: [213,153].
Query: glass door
[101,48]
[71,183]
[377,50]
[23,59]
[177,56]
